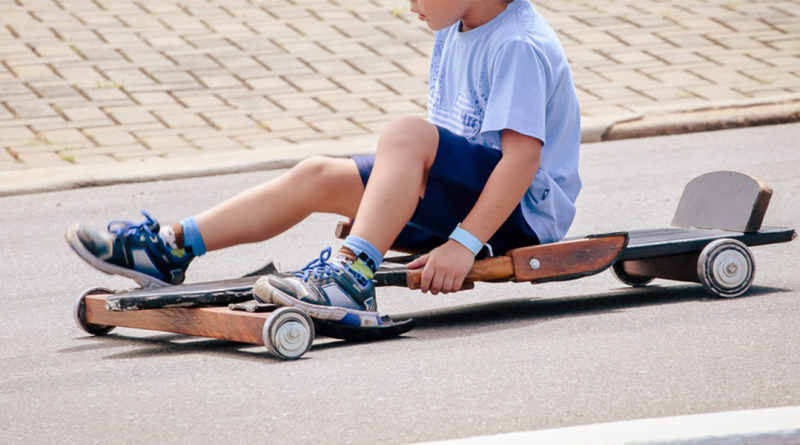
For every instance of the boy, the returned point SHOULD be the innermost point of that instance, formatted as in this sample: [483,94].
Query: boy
[496,162]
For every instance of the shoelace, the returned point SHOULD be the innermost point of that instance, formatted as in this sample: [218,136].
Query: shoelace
[320,267]
[123,228]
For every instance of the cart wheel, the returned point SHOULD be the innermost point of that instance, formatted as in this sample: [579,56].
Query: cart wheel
[288,333]
[726,268]
[635,281]
[79,312]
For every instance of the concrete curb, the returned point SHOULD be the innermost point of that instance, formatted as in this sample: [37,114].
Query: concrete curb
[49,179]
[720,116]
[657,122]
[758,427]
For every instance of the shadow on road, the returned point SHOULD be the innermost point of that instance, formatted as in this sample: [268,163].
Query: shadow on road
[510,311]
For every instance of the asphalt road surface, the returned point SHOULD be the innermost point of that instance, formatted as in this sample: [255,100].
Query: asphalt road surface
[500,358]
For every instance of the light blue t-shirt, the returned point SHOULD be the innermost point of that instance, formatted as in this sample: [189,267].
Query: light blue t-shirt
[512,73]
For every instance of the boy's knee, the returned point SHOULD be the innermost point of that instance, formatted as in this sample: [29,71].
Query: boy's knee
[312,168]
[409,132]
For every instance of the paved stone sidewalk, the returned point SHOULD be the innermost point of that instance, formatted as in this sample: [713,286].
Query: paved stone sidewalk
[105,81]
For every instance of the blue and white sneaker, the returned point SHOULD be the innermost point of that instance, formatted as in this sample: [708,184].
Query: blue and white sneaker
[133,250]
[341,290]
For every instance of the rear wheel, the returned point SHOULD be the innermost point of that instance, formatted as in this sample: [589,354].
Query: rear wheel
[726,268]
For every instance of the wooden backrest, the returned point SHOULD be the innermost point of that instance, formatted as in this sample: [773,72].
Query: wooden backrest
[723,200]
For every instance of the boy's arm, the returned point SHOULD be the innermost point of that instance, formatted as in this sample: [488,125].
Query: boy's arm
[448,265]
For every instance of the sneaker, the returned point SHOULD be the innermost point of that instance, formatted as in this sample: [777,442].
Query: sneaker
[133,250]
[340,291]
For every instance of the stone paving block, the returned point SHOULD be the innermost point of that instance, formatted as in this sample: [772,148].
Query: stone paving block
[398,107]
[88,160]
[785,44]
[86,113]
[297,103]
[15,135]
[33,72]
[138,155]
[128,115]
[336,126]
[687,40]
[153,98]
[107,94]
[677,77]
[217,143]
[284,65]
[144,57]
[42,159]
[6,158]
[196,101]
[64,137]
[165,142]
[223,81]
[348,105]
[315,83]
[230,121]
[109,136]
[31,109]
[360,85]
[284,124]
[715,92]
[267,84]
[627,57]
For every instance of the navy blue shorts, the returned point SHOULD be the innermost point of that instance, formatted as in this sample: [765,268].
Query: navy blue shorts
[456,180]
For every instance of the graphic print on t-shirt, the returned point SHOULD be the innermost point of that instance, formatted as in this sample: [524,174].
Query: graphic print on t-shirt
[462,118]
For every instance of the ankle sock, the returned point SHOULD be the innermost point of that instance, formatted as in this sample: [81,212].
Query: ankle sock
[192,239]
[364,251]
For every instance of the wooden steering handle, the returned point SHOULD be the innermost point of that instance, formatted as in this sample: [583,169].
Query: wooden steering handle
[493,269]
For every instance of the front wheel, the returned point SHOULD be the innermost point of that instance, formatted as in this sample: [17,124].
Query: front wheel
[79,312]
[618,270]
[288,333]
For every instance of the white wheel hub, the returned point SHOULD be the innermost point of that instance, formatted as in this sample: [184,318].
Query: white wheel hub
[288,333]
[730,268]
[291,338]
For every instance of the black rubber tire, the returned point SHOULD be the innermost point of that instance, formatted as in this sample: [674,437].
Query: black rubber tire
[619,273]
[726,268]
[79,312]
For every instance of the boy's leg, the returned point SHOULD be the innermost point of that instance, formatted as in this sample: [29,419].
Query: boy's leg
[138,251]
[406,151]
[317,184]
[342,289]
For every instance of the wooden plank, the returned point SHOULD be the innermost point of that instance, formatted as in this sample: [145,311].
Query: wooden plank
[723,200]
[216,322]
[567,260]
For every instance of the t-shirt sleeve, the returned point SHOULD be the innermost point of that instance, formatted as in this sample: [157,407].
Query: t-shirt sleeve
[518,94]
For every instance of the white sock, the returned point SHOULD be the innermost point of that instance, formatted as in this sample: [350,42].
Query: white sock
[168,235]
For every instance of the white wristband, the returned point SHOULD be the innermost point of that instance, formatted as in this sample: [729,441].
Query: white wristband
[466,239]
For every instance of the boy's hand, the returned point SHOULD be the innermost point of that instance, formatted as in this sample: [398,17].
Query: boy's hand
[444,268]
